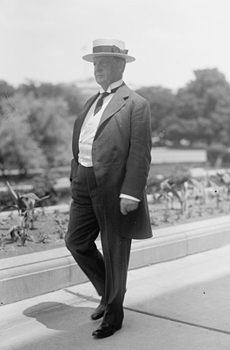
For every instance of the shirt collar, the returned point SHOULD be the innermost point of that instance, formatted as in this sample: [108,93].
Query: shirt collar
[112,86]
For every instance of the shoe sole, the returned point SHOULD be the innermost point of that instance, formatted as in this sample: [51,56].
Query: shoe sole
[102,336]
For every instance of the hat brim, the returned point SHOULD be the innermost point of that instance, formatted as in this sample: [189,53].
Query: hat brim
[90,57]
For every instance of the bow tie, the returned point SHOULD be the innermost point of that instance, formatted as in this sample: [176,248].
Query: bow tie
[101,99]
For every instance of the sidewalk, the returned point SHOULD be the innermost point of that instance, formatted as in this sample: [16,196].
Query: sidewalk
[34,274]
[181,304]
[30,275]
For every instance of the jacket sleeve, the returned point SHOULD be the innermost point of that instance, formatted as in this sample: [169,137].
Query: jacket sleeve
[139,157]
[73,169]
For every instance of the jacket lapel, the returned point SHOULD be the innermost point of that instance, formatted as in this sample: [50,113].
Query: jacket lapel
[88,105]
[116,103]
[80,119]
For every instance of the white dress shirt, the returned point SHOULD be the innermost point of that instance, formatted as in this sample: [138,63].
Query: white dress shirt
[90,126]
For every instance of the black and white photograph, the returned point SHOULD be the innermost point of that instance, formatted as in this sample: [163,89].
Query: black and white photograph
[114,175]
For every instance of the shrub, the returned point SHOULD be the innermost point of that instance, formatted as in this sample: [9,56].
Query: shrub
[217,154]
[43,185]
[6,201]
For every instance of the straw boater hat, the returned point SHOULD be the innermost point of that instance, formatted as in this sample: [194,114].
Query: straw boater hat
[109,47]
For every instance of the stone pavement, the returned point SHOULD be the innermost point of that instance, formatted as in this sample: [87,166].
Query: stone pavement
[181,304]
[30,275]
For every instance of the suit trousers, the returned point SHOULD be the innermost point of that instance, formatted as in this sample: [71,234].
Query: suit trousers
[107,272]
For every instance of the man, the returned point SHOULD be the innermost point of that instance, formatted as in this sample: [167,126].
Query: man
[111,148]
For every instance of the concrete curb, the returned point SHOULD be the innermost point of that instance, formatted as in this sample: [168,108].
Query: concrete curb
[34,274]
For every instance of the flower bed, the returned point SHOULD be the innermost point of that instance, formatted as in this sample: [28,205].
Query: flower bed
[48,233]
[50,228]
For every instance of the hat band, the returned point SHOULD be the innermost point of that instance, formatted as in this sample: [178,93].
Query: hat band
[107,48]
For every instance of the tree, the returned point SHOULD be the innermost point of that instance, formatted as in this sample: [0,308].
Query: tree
[18,149]
[206,102]
[46,125]
[68,92]
[200,111]
[173,129]
[162,105]
[6,89]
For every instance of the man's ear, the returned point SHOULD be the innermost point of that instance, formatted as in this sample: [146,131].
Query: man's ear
[122,65]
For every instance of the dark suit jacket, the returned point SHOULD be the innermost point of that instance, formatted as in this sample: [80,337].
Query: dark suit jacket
[121,155]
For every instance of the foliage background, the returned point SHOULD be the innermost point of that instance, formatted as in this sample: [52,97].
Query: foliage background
[36,120]
[36,125]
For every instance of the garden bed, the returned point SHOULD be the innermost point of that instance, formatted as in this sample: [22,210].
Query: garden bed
[50,228]
[48,233]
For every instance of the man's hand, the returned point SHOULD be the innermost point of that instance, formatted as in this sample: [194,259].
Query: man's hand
[127,205]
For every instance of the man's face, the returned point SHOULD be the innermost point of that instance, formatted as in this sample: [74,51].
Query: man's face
[106,70]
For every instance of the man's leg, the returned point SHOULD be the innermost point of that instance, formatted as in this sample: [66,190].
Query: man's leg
[116,250]
[116,253]
[82,232]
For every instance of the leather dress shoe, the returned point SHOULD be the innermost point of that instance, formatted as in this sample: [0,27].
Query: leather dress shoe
[98,312]
[105,330]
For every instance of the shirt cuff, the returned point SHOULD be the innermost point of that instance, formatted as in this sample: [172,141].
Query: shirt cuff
[129,197]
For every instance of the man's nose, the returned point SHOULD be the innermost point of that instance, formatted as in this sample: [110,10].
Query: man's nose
[97,67]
